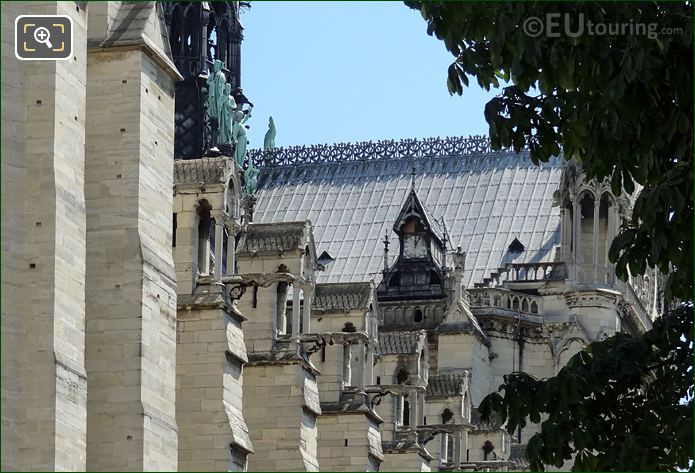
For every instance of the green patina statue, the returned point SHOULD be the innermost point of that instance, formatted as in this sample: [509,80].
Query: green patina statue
[269,140]
[216,94]
[227,109]
[251,178]
[239,134]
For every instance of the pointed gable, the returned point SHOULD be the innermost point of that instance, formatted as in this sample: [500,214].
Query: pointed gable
[413,207]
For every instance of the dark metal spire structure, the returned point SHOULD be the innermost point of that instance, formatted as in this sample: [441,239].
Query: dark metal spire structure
[199,34]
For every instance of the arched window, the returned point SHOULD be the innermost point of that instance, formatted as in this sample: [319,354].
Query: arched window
[232,202]
[466,407]
[222,40]
[281,308]
[205,222]
[417,317]
[586,240]
[212,45]
[402,376]
[191,31]
[488,451]
[524,306]
[534,307]
[406,413]
[447,415]
[347,364]
[176,31]
[568,223]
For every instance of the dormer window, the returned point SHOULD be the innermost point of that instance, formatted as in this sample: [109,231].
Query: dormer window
[417,270]
[324,260]
[516,247]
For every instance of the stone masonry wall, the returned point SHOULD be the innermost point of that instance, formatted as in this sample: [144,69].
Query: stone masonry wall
[348,442]
[131,298]
[43,250]
[282,427]
[406,461]
[209,358]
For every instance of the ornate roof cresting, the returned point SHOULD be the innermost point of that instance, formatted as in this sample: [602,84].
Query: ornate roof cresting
[370,150]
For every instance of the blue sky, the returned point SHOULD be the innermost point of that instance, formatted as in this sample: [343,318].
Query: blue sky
[350,71]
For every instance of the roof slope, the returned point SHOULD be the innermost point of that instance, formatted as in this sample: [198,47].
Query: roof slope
[400,343]
[342,296]
[445,385]
[486,199]
[260,237]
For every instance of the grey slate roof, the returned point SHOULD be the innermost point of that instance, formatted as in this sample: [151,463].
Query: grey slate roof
[486,199]
[444,385]
[271,237]
[340,296]
[399,343]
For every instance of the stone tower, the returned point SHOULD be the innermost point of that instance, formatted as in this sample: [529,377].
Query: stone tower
[210,348]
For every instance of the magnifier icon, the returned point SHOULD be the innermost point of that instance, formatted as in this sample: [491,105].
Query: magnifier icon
[42,35]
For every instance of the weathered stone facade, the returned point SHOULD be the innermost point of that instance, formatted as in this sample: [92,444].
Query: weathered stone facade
[44,384]
[158,316]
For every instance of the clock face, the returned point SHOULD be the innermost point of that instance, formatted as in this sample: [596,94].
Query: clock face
[414,247]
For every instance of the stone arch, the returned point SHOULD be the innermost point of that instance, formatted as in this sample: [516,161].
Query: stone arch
[408,313]
[568,349]
[586,189]
[388,316]
[398,315]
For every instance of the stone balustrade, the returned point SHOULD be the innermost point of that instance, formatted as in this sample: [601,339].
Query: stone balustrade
[631,298]
[525,272]
[505,300]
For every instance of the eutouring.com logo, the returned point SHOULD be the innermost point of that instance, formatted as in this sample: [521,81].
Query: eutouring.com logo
[555,25]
